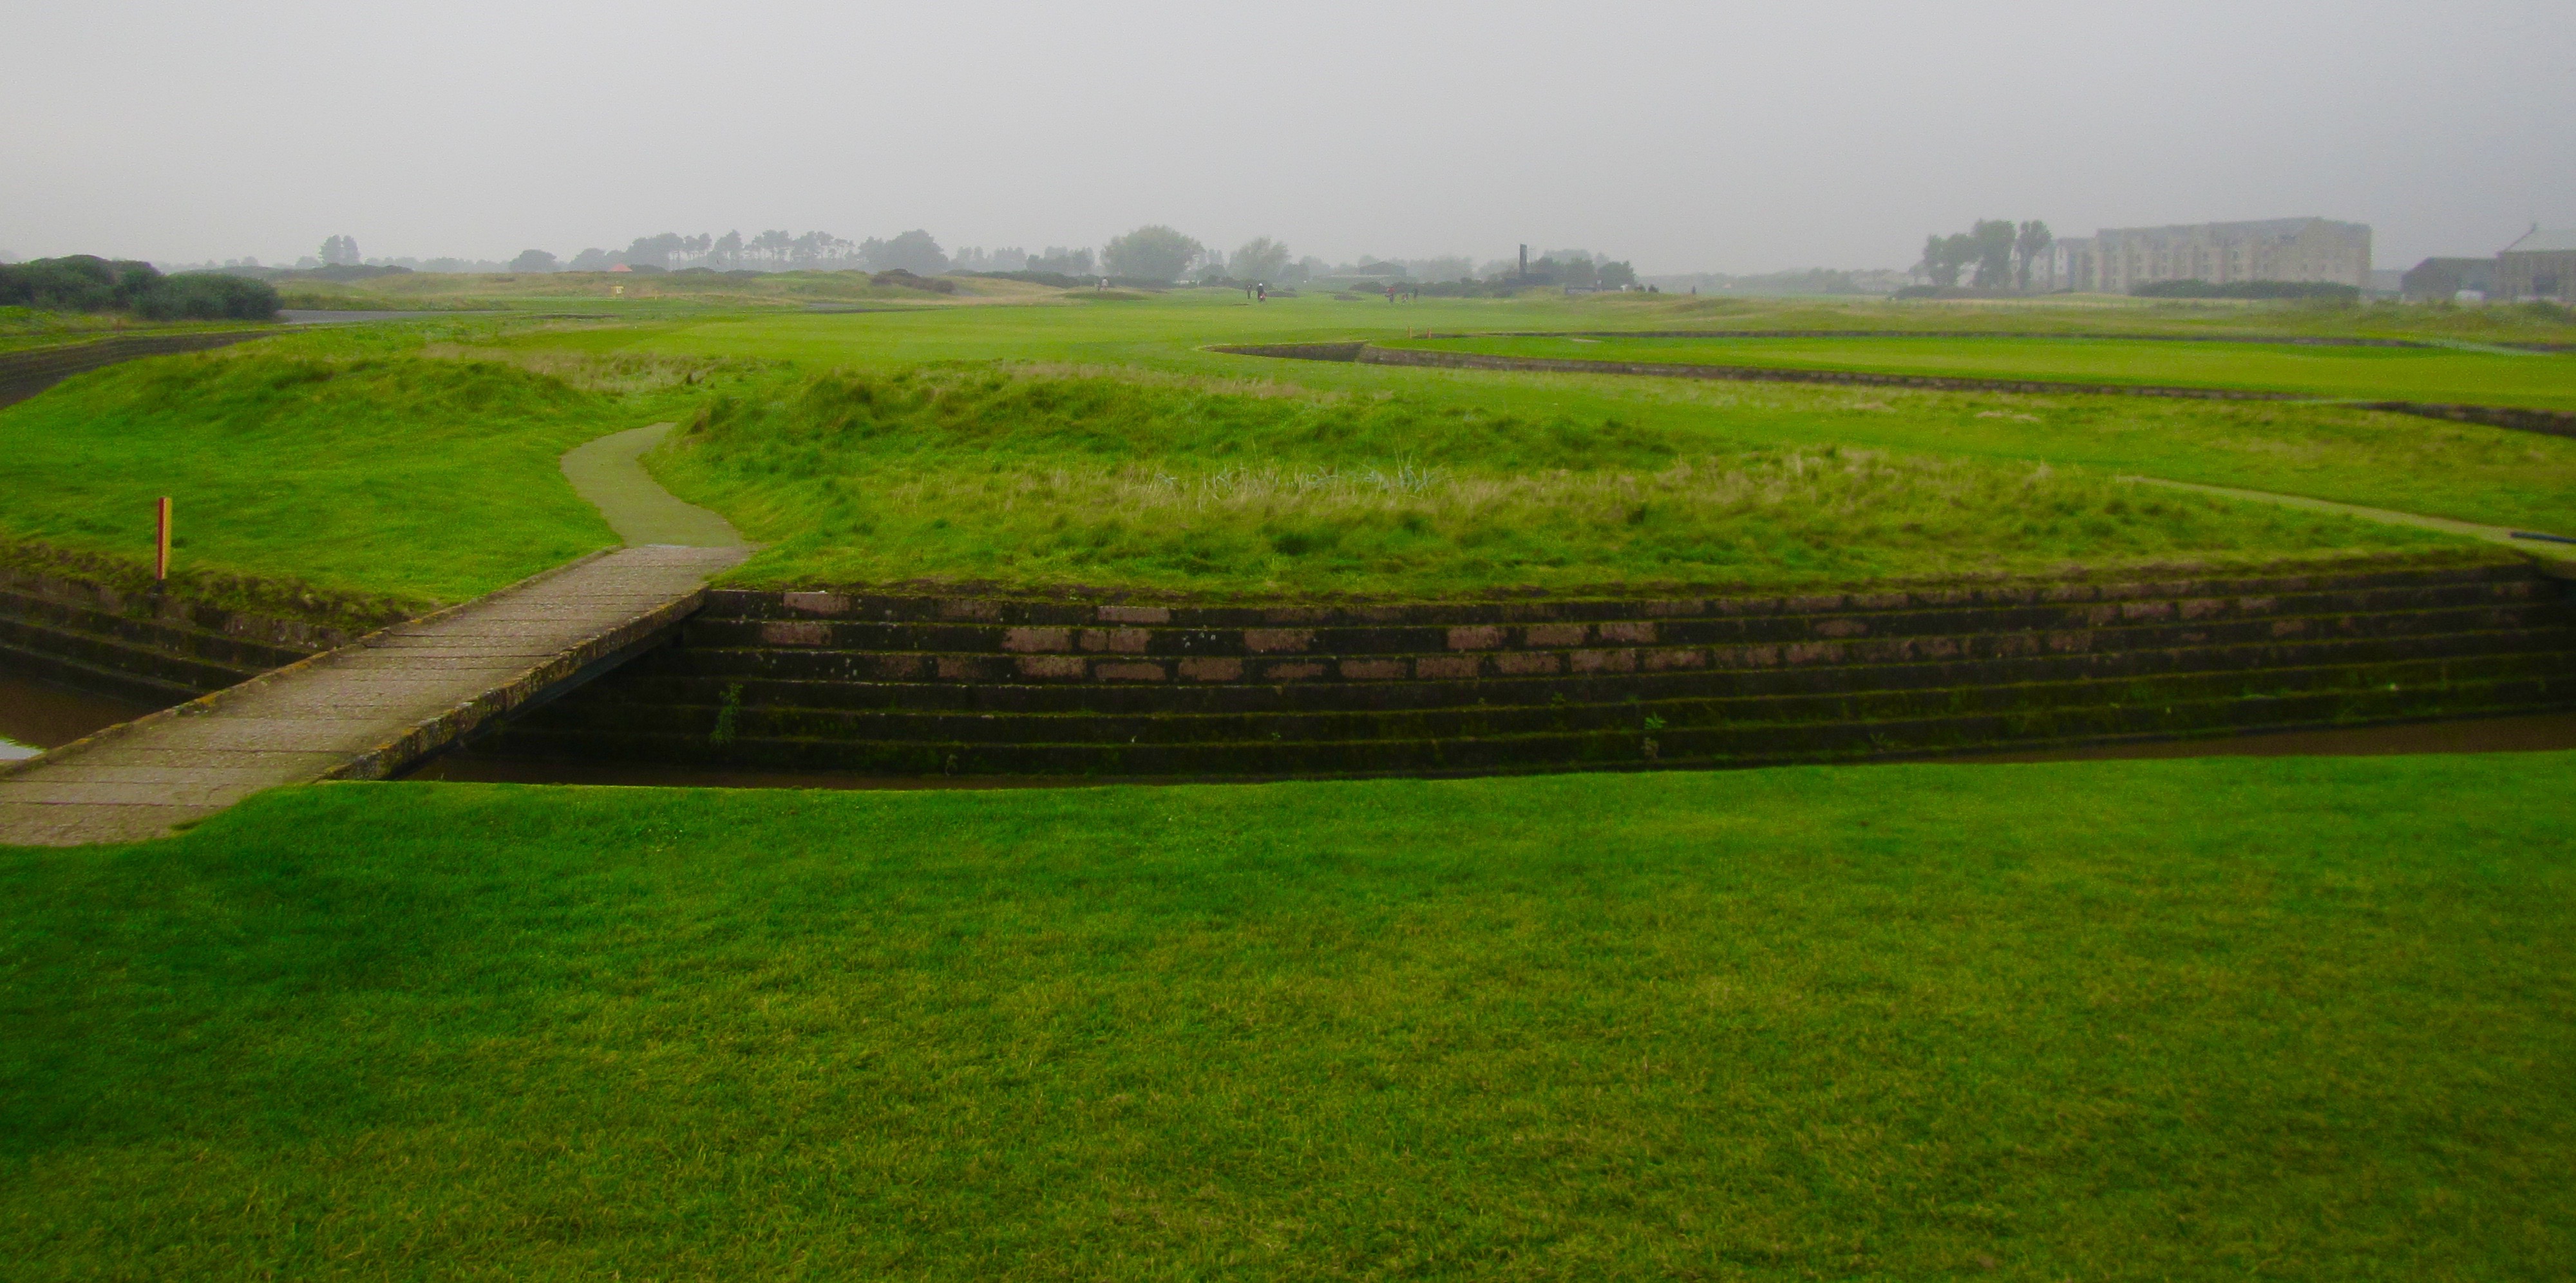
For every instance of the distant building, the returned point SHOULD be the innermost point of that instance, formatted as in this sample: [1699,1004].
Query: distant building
[2541,265]
[2117,259]
[2440,280]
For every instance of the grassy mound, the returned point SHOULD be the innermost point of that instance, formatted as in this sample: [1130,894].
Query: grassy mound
[2232,1017]
[2325,451]
[420,481]
[1034,479]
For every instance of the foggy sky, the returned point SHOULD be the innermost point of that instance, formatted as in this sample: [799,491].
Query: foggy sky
[1726,137]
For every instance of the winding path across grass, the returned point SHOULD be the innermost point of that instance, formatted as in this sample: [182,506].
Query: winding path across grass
[2555,551]
[609,473]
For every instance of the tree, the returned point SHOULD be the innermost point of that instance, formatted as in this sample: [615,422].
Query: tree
[1617,276]
[1993,239]
[340,251]
[726,253]
[915,251]
[1062,261]
[1944,257]
[2029,243]
[1150,253]
[670,249]
[534,260]
[1260,259]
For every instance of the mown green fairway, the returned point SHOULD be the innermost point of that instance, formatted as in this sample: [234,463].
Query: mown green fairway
[2486,376]
[2155,1020]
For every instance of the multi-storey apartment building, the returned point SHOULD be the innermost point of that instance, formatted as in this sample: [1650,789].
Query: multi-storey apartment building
[2117,259]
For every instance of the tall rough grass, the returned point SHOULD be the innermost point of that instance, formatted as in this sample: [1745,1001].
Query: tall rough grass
[1034,478]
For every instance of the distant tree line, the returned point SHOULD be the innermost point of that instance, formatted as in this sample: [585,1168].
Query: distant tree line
[2000,253]
[1804,280]
[1062,260]
[777,250]
[1577,270]
[1154,255]
[88,283]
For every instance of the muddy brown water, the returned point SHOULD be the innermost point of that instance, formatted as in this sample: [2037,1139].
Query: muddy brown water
[35,716]
[2531,733]
[2535,733]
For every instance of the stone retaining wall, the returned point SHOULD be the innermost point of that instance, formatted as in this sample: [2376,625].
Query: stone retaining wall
[155,647]
[917,685]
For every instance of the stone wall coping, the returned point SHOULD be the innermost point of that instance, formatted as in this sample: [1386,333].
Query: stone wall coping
[1053,612]
[173,609]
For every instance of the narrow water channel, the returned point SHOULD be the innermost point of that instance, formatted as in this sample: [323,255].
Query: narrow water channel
[35,716]
[2534,733]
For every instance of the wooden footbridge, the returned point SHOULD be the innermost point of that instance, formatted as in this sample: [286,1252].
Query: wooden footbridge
[370,709]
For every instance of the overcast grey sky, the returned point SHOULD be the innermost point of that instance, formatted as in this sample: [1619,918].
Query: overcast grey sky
[1727,137]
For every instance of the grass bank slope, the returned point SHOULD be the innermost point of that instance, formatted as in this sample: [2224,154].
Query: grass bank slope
[2295,1018]
[425,481]
[2495,376]
[1035,479]
[2464,471]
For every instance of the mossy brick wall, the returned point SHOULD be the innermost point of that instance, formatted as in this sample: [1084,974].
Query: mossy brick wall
[838,680]
[155,647]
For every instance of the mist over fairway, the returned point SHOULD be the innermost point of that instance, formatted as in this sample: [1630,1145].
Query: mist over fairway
[1682,138]
[1390,915]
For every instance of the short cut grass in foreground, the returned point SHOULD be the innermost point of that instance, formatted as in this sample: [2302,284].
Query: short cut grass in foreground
[1031,478]
[2287,1018]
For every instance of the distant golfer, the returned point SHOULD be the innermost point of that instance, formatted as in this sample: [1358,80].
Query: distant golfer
[1261,292]
[1390,291]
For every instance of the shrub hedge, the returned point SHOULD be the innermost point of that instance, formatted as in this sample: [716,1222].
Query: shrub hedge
[2324,291]
[88,283]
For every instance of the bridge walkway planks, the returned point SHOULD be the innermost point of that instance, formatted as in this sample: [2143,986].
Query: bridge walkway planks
[364,711]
